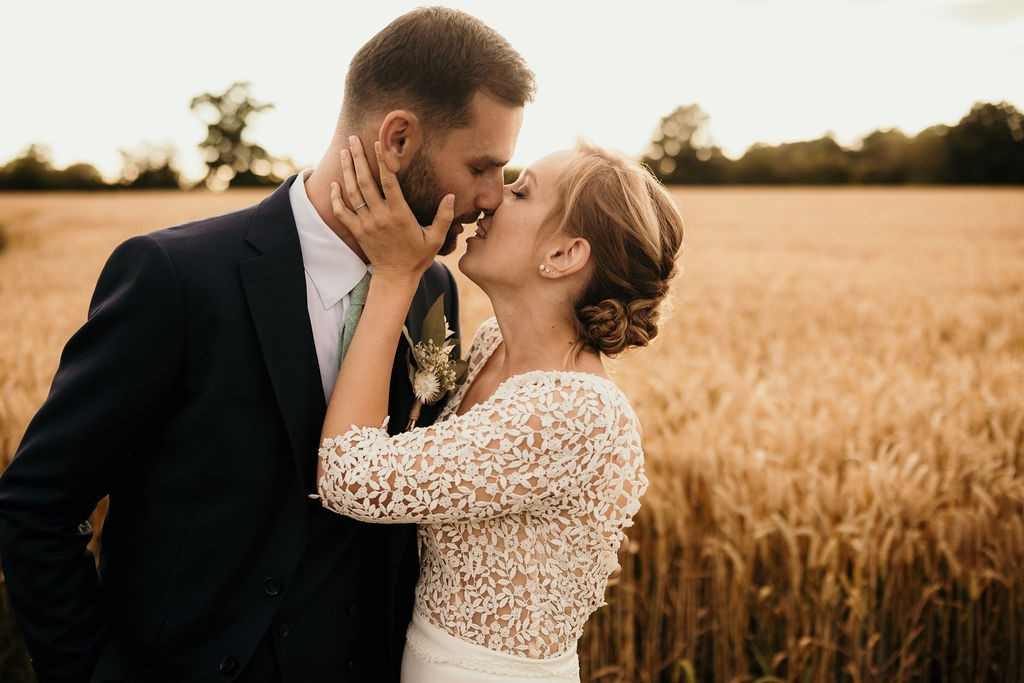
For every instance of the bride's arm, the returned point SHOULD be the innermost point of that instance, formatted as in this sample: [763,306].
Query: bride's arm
[538,439]
[400,250]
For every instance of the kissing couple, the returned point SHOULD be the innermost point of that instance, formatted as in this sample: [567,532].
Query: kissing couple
[241,393]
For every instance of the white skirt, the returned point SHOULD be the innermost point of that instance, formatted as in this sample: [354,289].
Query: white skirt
[434,656]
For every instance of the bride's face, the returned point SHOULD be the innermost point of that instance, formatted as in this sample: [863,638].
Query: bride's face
[505,248]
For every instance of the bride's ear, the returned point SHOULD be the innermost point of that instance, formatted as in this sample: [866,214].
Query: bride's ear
[401,137]
[565,257]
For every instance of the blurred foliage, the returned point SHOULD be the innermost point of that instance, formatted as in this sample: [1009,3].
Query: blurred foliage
[988,145]
[34,170]
[231,160]
[985,147]
[682,151]
[149,167]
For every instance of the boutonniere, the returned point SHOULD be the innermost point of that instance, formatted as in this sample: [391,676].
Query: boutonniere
[434,369]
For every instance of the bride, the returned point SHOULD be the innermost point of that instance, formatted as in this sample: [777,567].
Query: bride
[522,487]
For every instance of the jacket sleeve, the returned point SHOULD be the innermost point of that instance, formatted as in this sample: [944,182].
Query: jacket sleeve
[114,378]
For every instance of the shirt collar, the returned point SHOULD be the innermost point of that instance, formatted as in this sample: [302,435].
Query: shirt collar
[332,266]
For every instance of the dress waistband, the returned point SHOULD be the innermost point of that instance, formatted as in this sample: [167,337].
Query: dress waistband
[438,646]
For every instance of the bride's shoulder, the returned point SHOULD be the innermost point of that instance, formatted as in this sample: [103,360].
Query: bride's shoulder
[488,330]
[486,337]
[588,392]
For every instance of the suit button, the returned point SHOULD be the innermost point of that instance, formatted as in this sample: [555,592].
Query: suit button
[272,585]
[353,609]
[227,666]
[283,630]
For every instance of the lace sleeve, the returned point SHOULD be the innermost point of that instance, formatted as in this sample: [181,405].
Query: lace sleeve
[534,437]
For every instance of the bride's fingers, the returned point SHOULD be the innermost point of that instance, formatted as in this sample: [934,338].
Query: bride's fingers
[434,235]
[348,175]
[388,180]
[342,212]
[364,178]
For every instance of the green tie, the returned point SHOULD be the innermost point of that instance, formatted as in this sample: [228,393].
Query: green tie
[357,297]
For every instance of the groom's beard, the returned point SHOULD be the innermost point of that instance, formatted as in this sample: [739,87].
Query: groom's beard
[422,191]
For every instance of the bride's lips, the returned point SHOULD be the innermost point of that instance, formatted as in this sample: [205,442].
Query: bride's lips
[481,231]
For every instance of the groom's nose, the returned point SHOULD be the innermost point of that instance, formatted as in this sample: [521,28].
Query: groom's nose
[489,195]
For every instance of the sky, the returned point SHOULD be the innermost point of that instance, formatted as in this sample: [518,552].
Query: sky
[88,79]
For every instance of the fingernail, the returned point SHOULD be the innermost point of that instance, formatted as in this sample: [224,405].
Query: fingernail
[352,139]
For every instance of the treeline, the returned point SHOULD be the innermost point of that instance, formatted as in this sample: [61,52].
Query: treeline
[149,168]
[985,147]
[231,160]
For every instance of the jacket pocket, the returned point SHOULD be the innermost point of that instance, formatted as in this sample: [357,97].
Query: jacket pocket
[138,620]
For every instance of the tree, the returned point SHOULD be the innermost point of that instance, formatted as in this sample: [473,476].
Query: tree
[884,157]
[816,162]
[757,166]
[682,149]
[928,159]
[82,176]
[987,146]
[149,167]
[231,160]
[33,170]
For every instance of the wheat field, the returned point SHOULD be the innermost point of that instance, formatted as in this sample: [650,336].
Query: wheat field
[833,419]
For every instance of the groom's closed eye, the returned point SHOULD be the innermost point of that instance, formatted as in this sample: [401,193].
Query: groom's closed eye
[482,165]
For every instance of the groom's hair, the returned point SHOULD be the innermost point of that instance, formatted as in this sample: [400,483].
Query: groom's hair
[432,61]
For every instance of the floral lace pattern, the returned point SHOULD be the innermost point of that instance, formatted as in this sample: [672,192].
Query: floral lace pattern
[520,502]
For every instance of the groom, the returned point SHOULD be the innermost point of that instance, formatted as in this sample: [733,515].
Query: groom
[193,396]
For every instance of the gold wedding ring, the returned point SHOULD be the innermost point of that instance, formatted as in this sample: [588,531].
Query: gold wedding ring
[359,207]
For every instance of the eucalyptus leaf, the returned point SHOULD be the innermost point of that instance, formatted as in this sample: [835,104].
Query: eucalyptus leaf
[434,323]
[461,370]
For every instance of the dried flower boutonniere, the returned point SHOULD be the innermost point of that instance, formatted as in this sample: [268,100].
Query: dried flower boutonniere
[434,369]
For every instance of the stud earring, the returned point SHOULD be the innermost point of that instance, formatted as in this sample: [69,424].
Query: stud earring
[544,269]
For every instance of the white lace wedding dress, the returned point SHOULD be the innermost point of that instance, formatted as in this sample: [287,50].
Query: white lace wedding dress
[520,503]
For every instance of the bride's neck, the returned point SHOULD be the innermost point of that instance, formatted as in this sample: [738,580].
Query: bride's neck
[536,337]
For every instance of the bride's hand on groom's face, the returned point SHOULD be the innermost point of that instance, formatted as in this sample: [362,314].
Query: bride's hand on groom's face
[388,232]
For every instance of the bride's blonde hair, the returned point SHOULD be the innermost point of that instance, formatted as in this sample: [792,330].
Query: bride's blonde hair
[635,233]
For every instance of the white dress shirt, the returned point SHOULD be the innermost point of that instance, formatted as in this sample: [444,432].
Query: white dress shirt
[332,270]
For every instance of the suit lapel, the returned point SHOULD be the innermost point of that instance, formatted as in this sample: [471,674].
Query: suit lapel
[275,288]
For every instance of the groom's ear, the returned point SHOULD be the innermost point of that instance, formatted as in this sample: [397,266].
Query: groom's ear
[401,137]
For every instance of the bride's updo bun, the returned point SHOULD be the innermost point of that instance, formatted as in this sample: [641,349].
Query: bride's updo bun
[611,327]
[635,234]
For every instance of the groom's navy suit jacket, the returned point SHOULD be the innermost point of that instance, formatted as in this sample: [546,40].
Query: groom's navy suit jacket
[192,397]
